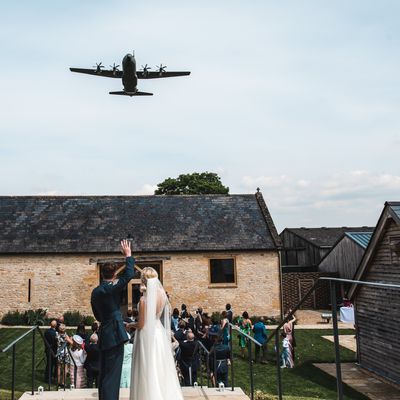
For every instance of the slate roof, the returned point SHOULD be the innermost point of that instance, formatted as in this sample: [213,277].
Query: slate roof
[325,237]
[361,238]
[79,224]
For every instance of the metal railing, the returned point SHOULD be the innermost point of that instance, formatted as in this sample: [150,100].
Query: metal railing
[49,353]
[250,341]
[333,295]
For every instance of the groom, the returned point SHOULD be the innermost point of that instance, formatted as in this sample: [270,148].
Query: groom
[112,335]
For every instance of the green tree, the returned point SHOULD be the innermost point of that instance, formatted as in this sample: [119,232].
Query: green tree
[196,183]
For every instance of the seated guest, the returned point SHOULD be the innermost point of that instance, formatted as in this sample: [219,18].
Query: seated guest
[175,320]
[51,350]
[220,355]
[189,360]
[180,334]
[92,363]
[260,334]
[126,365]
[78,358]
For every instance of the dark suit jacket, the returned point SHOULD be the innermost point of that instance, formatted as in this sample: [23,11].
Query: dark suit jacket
[51,338]
[106,308]
[92,362]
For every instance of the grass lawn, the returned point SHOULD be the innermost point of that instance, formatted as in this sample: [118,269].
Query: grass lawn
[302,382]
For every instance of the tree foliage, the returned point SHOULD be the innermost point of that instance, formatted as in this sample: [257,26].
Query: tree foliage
[196,183]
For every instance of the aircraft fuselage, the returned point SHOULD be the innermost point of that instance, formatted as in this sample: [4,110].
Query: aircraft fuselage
[129,77]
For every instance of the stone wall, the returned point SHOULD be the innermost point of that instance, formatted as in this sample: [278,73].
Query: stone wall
[64,282]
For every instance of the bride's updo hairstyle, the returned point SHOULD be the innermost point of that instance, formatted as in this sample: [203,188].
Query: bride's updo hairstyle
[148,273]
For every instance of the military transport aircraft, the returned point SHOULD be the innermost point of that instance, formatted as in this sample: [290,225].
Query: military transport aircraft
[130,75]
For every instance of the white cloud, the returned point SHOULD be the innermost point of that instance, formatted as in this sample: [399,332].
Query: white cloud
[147,189]
[343,199]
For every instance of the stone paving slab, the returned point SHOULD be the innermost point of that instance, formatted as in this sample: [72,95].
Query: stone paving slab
[189,393]
[355,377]
[347,341]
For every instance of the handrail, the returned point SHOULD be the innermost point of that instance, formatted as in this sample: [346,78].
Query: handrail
[245,334]
[19,339]
[332,281]
[198,342]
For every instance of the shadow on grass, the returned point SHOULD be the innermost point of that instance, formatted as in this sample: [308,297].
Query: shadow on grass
[309,372]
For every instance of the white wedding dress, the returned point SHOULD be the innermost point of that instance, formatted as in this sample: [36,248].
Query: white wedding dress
[154,374]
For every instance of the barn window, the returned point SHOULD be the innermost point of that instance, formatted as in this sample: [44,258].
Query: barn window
[222,271]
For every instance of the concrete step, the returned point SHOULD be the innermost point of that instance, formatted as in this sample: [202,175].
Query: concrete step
[189,393]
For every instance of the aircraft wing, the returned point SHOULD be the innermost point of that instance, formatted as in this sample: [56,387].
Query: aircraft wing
[104,72]
[156,74]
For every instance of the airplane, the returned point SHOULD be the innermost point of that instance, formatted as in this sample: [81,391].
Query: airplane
[130,75]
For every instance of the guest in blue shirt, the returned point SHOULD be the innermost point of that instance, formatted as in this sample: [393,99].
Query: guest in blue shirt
[260,334]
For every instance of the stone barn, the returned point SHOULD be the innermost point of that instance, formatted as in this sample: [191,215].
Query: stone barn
[208,250]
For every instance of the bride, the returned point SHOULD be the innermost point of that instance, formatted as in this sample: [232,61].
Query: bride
[154,375]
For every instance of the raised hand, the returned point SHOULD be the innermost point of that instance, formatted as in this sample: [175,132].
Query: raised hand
[126,248]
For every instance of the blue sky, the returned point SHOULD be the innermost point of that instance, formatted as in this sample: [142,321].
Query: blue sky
[300,98]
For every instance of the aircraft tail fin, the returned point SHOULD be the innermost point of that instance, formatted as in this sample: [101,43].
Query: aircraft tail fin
[123,93]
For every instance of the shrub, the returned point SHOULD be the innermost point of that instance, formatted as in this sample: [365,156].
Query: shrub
[14,318]
[73,318]
[36,317]
[29,317]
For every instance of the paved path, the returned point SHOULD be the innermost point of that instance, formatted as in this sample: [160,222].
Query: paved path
[363,382]
[348,341]
[91,394]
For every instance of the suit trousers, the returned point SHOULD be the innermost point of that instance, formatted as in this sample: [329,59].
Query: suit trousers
[110,372]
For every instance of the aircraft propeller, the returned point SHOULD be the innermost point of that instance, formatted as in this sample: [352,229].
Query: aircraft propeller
[98,67]
[161,68]
[145,69]
[114,68]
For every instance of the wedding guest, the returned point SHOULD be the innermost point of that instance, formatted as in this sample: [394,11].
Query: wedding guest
[126,365]
[184,312]
[198,322]
[60,321]
[245,326]
[225,327]
[62,355]
[288,328]
[220,355]
[78,358]
[190,321]
[229,312]
[50,351]
[180,334]
[81,331]
[95,329]
[92,363]
[189,360]
[129,317]
[260,334]
[175,319]
[286,361]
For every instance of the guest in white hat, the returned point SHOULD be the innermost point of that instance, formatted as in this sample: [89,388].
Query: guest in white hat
[79,356]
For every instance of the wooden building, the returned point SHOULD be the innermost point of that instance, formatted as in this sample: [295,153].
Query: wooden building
[377,310]
[346,255]
[209,250]
[302,251]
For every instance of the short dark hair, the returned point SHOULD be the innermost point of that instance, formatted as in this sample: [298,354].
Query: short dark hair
[129,313]
[183,306]
[108,270]
[245,315]
[228,307]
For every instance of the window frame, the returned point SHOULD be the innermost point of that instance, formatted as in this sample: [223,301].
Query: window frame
[223,284]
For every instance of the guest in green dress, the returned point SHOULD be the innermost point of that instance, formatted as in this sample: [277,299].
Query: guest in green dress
[245,326]
[126,366]
[225,328]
